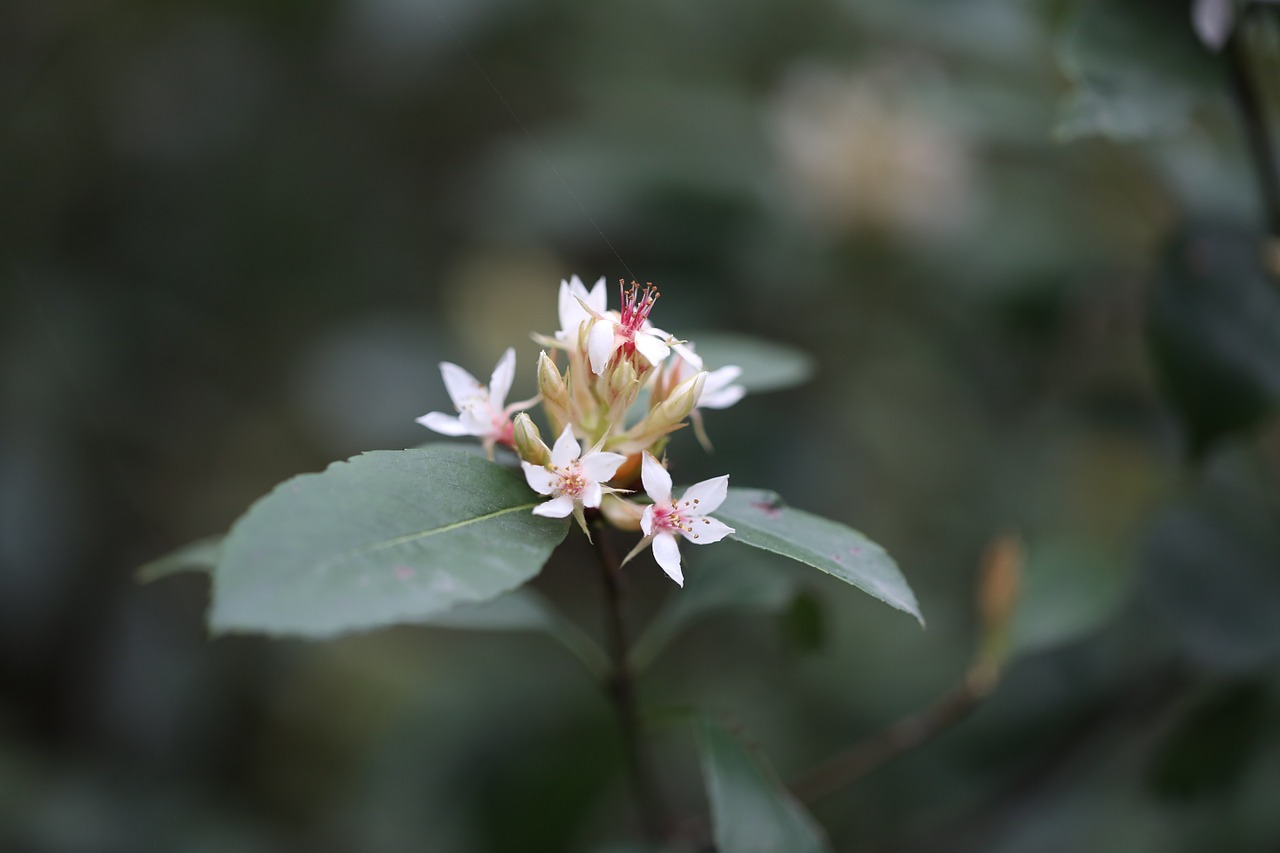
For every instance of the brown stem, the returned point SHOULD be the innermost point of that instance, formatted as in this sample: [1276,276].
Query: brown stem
[899,737]
[621,686]
[1000,576]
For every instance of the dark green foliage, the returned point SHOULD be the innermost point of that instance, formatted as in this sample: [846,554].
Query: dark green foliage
[1214,320]
[1214,743]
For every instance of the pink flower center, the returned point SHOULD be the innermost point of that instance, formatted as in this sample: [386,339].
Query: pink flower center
[636,305]
[678,516]
[572,481]
[669,517]
[504,430]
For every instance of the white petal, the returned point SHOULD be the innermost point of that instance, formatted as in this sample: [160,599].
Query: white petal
[667,553]
[443,423]
[539,478]
[706,496]
[572,314]
[718,380]
[722,399]
[566,448]
[688,356]
[500,382]
[592,494]
[657,482]
[646,521]
[478,420]
[597,298]
[602,466]
[652,348]
[706,530]
[600,345]
[555,508]
[462,386]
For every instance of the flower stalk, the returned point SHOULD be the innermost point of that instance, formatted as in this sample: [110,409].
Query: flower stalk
[620,685]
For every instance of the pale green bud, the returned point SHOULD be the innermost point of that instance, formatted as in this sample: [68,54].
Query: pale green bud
[528,441]
[555,393]
[679,403]
[668,416]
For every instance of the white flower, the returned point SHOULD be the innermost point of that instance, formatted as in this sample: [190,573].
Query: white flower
[687,516]
[577,306]
[573,479]
[718,392]
[628,330]
[480,408]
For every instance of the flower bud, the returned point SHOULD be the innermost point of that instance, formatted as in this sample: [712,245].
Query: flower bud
[667,417]
[555,394]
[622,386]
[679,403]
[528,441]
[621,379]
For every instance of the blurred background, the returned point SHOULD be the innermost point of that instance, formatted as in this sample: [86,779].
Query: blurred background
[236,238]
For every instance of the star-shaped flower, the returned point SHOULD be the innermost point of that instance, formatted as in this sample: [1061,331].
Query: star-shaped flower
[687,517]
[574,480]
[577,306]
[480,408]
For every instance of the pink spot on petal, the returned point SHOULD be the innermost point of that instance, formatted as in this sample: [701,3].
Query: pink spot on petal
[404,573]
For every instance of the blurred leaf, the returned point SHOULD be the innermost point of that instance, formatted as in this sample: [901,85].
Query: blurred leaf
[384,538]
[1212,574]
[519,610]
[198,556]
[1136,69]
[804,624]
[1069,589]
[524,610]
[1213,745]
[751,811]
[766,366]
[1215,333]
[716,587]
[762,520]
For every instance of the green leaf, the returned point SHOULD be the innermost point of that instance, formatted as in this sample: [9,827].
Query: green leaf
[384,538]
[1210,572]
[525,610]
[717,586]
[1214,744]
[1214,328]
[751,811]
[762,520]
[766,366]
[198,556]
[1136,70]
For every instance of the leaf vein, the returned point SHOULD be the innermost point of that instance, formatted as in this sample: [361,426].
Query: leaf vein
[422,534]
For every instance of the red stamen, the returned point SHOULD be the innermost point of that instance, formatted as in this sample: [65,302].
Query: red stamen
[635,308]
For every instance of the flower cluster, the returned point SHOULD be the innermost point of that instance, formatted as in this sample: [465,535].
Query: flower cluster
[616,384]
